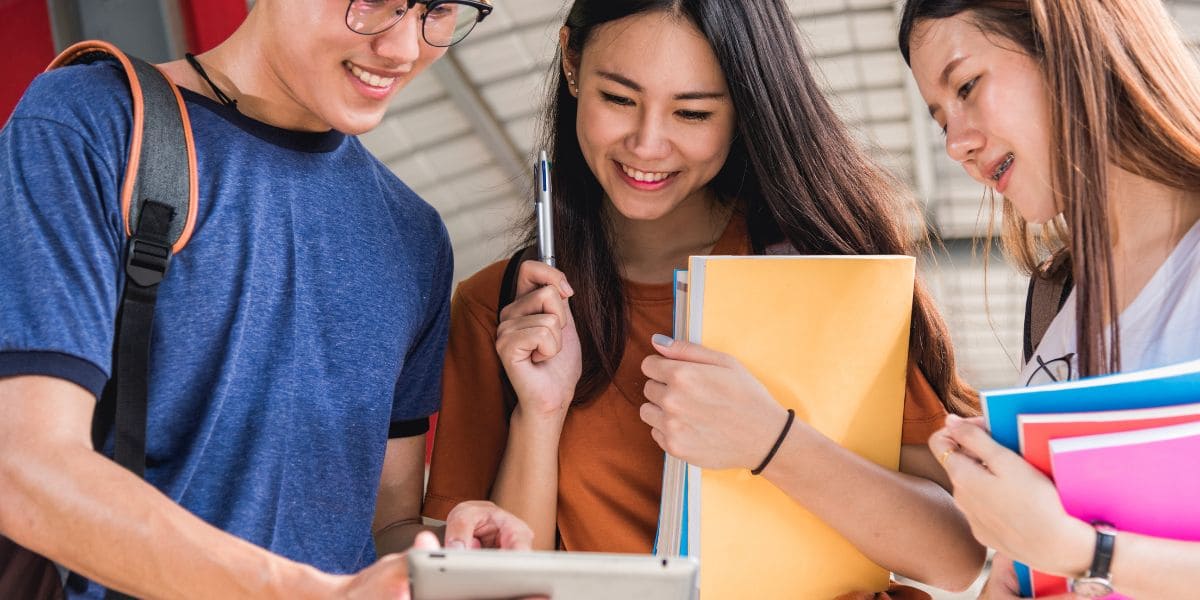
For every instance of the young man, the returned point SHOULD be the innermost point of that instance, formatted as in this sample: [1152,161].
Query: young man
[297,342]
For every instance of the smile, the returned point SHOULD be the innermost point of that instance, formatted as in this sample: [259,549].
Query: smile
[645,177]
[371,79]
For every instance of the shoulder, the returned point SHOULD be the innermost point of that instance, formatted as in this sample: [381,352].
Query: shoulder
[417,223]
[83,108]
[419,215]
[481,291]
[84,97]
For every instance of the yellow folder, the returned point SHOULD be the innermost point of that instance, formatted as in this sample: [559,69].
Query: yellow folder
[828,336]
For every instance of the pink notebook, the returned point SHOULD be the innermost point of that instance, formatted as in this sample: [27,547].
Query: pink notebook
[1144,481]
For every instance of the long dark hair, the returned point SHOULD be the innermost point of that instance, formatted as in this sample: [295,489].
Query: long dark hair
[794,170]
[1125,92]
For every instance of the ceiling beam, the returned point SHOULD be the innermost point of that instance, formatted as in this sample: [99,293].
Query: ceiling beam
[483,120]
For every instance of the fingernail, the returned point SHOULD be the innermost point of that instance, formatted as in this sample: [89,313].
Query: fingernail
[567,288]
[662,340]
[456,545]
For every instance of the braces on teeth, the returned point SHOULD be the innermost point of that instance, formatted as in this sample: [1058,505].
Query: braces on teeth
[1003,168]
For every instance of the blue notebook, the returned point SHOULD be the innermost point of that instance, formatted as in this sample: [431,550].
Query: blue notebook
[1151,388]
[673,536]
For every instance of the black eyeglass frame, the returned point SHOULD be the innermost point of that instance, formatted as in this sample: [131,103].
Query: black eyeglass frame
[484,9]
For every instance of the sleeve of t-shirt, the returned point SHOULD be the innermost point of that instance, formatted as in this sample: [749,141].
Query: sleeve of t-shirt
[924,412]
[418,388]
[472,428]
[61,224]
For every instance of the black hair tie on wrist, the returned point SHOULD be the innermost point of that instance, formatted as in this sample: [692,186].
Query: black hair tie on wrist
[778,442]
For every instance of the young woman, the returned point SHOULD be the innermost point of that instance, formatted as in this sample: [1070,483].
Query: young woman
[677,128]
[1085,116]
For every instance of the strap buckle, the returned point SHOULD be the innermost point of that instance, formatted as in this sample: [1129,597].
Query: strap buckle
[147,262]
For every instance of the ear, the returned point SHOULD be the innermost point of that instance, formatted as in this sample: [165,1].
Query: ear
[570,62]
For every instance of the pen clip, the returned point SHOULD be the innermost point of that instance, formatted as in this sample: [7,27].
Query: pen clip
[544,172]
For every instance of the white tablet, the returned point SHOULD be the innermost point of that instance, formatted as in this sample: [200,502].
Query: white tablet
[497,574]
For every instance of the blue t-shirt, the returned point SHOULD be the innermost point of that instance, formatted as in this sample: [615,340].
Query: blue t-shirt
[302,326]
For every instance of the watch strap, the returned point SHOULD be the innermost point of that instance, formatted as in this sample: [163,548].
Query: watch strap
[1106,538]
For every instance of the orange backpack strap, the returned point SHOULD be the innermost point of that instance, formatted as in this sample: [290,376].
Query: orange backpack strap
[162,155]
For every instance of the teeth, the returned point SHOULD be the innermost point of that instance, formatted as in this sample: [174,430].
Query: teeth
[645,177]
[371,79]
[1003,168]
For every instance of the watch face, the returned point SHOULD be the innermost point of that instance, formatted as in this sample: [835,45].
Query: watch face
[1091,588]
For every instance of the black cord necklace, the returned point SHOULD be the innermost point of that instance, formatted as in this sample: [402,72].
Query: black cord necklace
[221,96]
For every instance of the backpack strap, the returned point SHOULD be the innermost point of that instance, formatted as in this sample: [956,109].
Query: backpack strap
[508,293]
[162,153]
[159,195]
[1049,288]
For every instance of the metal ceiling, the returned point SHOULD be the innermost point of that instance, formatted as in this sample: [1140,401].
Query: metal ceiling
[462,136]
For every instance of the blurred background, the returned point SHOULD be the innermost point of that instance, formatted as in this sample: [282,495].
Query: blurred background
[462,134]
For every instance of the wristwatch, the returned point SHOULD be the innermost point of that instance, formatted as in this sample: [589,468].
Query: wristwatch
[1098,581]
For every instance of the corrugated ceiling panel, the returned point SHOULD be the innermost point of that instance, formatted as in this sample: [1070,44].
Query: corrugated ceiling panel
[427,140]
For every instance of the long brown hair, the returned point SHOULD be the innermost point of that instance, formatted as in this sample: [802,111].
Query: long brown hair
[794,172]
[1125,91]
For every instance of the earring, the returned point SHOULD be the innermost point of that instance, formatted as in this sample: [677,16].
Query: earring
[571,80]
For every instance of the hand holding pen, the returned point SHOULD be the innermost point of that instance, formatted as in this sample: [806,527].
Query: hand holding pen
[536,339]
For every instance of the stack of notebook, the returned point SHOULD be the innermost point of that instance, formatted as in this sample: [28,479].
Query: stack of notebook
[828,336]
[1120,448]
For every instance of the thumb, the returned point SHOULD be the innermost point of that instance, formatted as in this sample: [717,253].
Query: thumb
[686,351]
[426,540]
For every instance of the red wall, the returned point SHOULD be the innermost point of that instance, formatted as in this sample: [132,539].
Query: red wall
[28,47]
[208,22]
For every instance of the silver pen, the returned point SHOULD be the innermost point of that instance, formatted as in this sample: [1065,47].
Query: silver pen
[544,211]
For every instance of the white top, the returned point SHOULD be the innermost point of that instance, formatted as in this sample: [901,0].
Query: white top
[1160,327]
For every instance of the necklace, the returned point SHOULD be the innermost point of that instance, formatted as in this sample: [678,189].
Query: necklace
[221,96]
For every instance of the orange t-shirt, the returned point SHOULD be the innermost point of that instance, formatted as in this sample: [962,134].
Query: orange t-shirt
[610,469]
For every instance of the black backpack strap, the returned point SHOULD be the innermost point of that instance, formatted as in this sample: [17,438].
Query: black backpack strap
[508,293]
[158,201]
[1049,289]
[148,258]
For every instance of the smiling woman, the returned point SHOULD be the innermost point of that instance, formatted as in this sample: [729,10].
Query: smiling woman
[1084,115]
[671,136]
[654,132]
[994,113]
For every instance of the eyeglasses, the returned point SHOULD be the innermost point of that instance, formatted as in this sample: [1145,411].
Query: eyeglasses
[1051,371]
[443,22]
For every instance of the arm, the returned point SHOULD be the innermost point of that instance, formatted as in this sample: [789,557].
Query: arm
[527,482]
[1148,567]
[61,499]
[398,505]
[916,532]
[1015,509]
[539,348]
[398,509]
